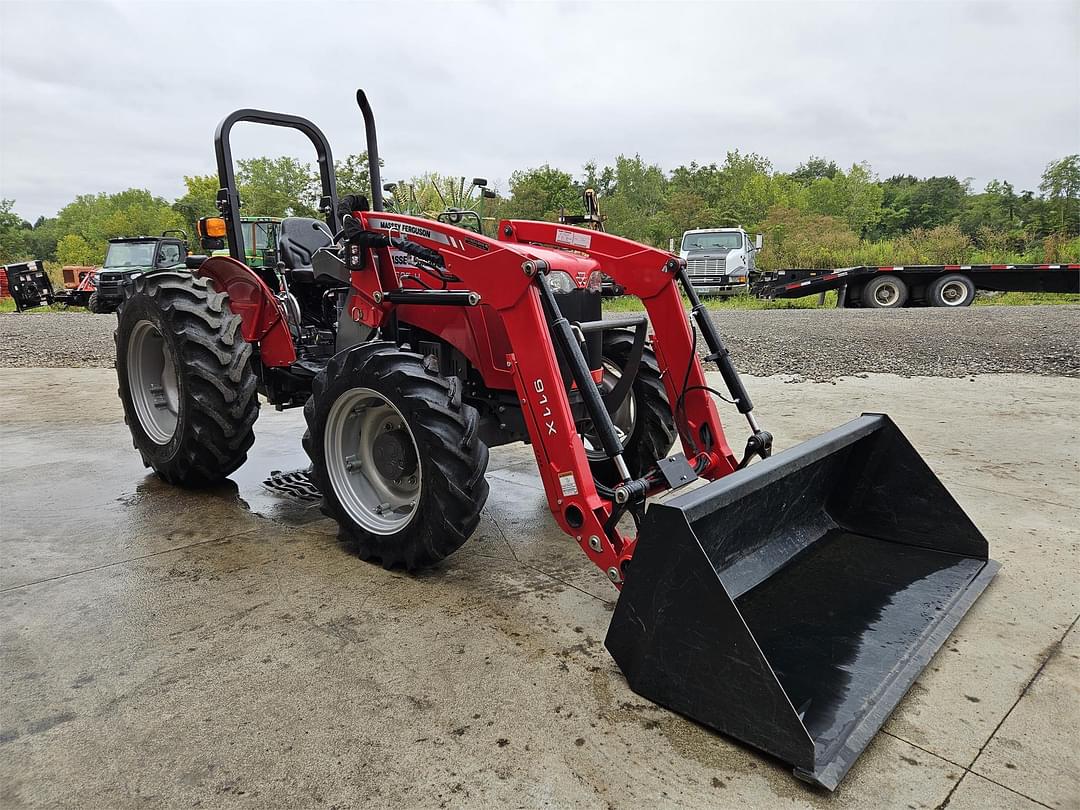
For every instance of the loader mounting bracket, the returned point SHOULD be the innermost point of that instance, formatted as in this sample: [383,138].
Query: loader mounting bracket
[677,471]
[759,443]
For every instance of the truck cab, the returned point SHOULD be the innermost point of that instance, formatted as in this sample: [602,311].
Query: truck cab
[719,261]
[132,256]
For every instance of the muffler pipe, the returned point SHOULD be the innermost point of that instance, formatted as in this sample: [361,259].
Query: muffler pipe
[372,150]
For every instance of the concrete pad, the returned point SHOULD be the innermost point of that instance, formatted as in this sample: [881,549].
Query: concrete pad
[225,649]
[81,499]
[1026,446]
[953,708]
[1035,751]
[274,668]
[976,793]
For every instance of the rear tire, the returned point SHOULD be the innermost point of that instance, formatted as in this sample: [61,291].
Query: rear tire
[186,380]
[885,292]
[954,290]
[644,418]
[396,454]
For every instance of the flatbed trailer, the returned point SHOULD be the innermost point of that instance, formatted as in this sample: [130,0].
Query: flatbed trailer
[940,285]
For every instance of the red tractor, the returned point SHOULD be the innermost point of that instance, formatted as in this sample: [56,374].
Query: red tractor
[756,604]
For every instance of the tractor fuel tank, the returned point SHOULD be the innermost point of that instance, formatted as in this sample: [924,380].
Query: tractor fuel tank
[793,603]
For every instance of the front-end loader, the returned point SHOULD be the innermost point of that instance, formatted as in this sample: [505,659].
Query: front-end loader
[789,602]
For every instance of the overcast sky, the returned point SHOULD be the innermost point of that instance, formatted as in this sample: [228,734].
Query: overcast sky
[107,96]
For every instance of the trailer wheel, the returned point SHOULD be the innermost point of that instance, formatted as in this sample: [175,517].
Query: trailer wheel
[396,454]
[953,290]
[186,381]
[885,292]
[644,421]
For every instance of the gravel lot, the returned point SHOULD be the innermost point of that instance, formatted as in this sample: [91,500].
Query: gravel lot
[809,344]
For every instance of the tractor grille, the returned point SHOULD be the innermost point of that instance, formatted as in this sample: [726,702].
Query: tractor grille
[110,286]
[707,267]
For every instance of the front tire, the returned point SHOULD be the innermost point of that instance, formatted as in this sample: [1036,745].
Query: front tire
[396,454]
[93,304]
[186,380]
[644,419]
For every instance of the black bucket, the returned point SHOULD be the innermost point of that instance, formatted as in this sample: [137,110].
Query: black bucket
[792,604]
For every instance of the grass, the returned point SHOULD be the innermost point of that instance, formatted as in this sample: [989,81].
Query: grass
[8,305]
[629,303]
[1023,299]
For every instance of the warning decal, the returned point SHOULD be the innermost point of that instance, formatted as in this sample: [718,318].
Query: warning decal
[580,240]
[567,484]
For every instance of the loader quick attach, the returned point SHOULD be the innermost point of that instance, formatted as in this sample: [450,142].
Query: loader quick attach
[789,602]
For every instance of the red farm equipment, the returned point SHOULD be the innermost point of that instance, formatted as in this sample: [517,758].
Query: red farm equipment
[80,287]
[789,602]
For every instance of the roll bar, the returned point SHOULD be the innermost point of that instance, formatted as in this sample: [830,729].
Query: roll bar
[228,201]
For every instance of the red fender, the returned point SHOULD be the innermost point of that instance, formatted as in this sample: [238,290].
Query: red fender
[262,319]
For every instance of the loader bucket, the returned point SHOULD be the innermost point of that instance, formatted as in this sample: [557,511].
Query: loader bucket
[793,603]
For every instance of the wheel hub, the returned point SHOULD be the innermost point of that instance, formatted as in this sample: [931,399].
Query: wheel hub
[394,454]
[887,294]
[953,293]
[372,461]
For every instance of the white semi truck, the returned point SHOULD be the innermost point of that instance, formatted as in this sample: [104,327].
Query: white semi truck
[719,261]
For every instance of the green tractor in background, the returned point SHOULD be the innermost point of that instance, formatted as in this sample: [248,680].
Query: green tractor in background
[260,241]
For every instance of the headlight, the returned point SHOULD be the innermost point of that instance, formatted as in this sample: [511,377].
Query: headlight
[561,282]
[595,282]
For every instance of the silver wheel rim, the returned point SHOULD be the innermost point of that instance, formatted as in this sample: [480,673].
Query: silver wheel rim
[625,418]
[887,294]
[953,294]
[372,499]
[153,382]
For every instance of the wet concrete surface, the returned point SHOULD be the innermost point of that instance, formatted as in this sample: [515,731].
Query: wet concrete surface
[221,648]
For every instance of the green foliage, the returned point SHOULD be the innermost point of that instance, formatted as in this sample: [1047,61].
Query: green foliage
[200,200]
[795,238]
[13,233]
[277,187]
[74,249]
[819,215]
[353,176]
[80,231]
[541,193]
[1061,185]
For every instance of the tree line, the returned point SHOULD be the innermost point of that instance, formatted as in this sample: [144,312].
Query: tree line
[820,215]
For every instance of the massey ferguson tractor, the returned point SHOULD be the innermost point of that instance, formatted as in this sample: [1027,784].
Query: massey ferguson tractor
[789,602]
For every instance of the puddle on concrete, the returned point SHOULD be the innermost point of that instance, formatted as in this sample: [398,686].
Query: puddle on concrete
[272,483]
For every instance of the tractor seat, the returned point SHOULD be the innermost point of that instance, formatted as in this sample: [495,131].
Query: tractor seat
[298,239]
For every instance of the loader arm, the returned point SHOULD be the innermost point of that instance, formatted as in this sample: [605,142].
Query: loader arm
[501,274]
[496,273]
[649,273]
